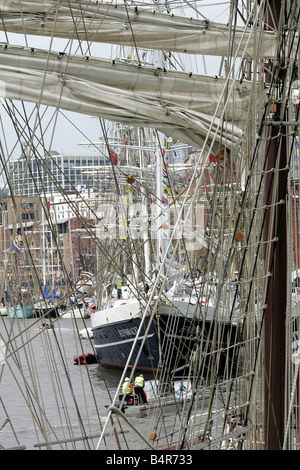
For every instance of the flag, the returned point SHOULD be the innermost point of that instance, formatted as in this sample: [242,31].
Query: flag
[113,157]
[124,229]
[128,194]
[16,248]
[128,188]
[212,158]
[45,292]
[166,190]
[166,142]
[54,295]
[160,256]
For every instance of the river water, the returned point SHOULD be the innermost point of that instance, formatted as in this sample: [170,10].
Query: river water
[48,402]
[45,396]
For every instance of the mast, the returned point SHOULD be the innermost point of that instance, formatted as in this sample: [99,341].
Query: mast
[276,228]
[159,203]
[145,233]
[158,159]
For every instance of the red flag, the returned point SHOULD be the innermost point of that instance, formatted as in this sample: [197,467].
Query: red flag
[212,158]
[113,157]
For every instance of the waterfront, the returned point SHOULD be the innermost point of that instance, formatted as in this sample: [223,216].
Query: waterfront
[53,404]
[41,388]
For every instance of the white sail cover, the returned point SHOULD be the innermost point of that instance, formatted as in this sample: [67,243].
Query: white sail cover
[117,24]
[176,103]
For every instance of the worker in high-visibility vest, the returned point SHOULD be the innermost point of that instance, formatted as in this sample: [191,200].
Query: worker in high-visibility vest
[139,384]
[127,388]
[119,288]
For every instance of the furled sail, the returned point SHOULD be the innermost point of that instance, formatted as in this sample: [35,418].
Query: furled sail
[132,26]
[179,104]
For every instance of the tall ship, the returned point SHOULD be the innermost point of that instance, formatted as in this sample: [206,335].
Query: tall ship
[177,254]
[156,302]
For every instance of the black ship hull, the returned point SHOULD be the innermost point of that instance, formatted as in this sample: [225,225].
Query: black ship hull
[170,342]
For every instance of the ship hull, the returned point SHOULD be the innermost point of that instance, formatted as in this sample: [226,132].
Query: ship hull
[48,312]
[113,344]
[171,343]
[21,312]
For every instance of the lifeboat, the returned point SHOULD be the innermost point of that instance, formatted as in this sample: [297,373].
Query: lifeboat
[92,309]
[85,358]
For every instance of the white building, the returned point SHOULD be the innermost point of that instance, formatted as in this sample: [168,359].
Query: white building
[32,176]
[66,206]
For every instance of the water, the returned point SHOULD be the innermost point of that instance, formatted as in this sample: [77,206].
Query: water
[47,398]
[43,394]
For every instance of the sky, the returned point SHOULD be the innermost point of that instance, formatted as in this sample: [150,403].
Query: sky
[70,128]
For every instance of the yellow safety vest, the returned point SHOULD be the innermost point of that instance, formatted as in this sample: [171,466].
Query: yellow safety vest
[125,388]
[139,382]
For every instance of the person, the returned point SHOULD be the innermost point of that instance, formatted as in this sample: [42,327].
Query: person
[127,387]
[139,384]
[119,288]
[125,294]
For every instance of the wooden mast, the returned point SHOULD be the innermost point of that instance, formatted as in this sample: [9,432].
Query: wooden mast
[276,301]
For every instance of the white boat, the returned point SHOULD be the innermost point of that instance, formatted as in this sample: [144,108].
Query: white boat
[74,312]
[76,306]
[45,307]
[86,333]
[158,399]
[3,310]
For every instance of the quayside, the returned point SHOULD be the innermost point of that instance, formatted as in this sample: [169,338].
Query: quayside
[149,224]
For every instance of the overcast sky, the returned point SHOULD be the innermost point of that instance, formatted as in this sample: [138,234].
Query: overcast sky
[71,128]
